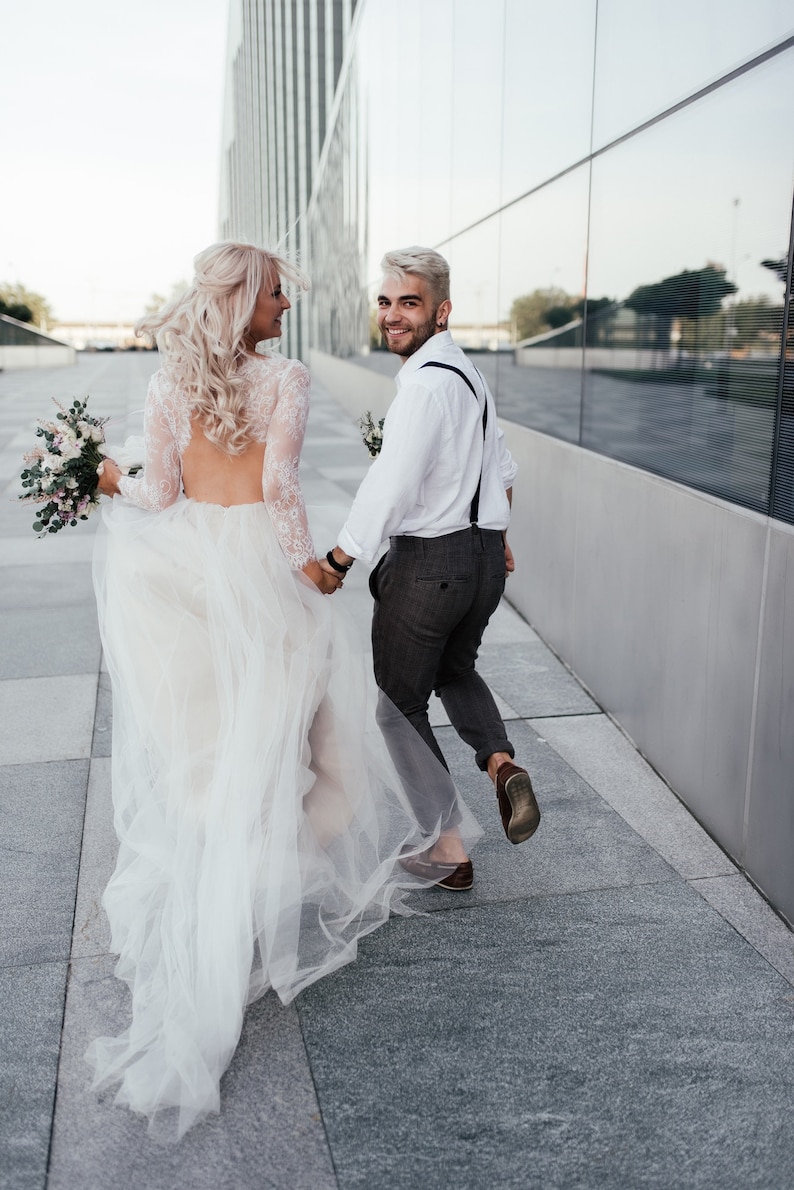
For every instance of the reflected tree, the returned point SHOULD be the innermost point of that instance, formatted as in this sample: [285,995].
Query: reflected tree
[529,312]
[688,296]
[549,309]
[23,304]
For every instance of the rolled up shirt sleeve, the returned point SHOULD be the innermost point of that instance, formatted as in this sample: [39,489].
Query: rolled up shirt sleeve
[508,468]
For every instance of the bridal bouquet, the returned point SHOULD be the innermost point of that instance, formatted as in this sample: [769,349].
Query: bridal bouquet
[62,471]
[372,433]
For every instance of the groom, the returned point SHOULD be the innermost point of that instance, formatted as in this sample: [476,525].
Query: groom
[440,490]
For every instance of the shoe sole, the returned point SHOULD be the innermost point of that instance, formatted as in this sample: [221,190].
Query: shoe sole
[455,887]
[525,817]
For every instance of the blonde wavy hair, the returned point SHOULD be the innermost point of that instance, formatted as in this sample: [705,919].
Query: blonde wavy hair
[202,335]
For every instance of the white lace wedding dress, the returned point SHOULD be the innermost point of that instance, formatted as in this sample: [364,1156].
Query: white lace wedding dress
[258,813]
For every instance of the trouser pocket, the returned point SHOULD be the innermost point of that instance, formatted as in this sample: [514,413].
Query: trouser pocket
[373,578]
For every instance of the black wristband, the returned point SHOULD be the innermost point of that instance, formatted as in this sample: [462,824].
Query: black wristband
[338,567]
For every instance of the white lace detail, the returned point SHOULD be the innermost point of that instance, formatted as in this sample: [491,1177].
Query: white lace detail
[281,473]
[278,407]
[160,483]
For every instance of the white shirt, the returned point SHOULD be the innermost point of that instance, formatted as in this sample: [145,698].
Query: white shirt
[424,479]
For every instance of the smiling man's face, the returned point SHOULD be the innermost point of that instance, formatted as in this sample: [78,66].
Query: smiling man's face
[407,314]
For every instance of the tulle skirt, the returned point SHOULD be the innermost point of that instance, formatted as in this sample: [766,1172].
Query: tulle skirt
[258,811]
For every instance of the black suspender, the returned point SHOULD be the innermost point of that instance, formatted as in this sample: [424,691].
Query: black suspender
[475,504]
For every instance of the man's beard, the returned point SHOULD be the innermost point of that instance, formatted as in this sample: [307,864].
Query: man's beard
[416,339]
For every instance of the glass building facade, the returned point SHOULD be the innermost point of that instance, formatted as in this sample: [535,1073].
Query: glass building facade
[611,182]
[285,61]
[612,185]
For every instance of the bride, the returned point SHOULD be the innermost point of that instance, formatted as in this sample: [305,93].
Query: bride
[258,813]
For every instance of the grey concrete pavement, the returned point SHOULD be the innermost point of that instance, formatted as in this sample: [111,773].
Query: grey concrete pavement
[611,1006]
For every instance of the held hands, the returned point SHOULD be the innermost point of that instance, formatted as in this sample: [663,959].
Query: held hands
[319,574]
[108,476]
[331,579]
[332,569]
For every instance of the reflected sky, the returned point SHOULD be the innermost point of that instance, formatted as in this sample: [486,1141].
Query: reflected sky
[651,56]
[667,200]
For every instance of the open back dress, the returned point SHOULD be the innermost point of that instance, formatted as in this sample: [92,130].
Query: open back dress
[258,813]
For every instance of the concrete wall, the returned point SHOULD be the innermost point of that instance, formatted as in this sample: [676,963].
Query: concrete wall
[615,358]
[676,610]
[672,607]
[354,387]
[55,356]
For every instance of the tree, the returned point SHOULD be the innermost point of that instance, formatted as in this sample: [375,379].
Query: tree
[529,313]
[688,296]
[558,316]
[778,267]
[16,310]
[37,306]
[685,295]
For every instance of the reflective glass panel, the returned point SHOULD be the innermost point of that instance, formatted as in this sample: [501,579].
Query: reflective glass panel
[548,85]
[651,56]
[541,289]
[406,87]
[689,223]
[783,494]
[474,284]
[476,33]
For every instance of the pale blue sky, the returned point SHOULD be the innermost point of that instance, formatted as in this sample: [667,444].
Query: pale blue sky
[109,156]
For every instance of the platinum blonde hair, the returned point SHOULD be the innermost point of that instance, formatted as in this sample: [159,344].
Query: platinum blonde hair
[202,335]
[425,263]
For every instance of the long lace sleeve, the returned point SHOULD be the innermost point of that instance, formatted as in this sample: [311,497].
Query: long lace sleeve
[160,483]
[280,477]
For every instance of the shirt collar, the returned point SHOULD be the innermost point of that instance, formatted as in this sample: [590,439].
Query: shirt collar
[427,351]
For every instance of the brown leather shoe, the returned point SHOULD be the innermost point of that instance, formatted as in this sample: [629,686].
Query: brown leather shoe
[458,877]
[520,812]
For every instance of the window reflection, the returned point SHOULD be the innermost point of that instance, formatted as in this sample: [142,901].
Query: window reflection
[633,304]
[651,56]
[681,374]
[541,295]
[474,282]
[478,47]
[547,87]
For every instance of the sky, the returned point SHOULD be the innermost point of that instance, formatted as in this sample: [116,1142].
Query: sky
[110,150]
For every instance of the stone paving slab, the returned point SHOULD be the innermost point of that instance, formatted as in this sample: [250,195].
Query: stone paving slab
[581,842]
[534,681]
[91,930]
[41,825]
[269,1135]
[737,901]
[67,586]
[603,755]
[613,1039]
[30,1040]
[47,718]
[43,641]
